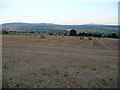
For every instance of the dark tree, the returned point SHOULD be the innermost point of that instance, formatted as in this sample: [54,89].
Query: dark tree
[82,34]
[113,35]
[4,32]
[89,34]
[65,34]
[50,33]
[73,32]
[31,32]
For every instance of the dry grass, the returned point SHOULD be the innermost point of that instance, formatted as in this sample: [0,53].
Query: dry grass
[59,62]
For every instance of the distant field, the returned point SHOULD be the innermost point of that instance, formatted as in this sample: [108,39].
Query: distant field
[59,62]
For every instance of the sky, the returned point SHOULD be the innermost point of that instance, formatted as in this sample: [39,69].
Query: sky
[67,12]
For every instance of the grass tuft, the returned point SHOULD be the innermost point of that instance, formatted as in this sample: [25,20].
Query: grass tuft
[66,75]
[94,68]
[85,66]
[5,67]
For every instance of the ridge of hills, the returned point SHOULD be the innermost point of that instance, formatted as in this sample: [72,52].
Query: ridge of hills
[54,28]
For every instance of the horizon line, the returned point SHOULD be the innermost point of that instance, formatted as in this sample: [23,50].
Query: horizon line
[60,24]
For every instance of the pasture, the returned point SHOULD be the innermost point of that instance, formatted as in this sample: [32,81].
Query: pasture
[30,61]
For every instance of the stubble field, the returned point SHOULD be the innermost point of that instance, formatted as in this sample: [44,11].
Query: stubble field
[59,62]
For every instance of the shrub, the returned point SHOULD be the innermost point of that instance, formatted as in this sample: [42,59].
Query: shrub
[5,32]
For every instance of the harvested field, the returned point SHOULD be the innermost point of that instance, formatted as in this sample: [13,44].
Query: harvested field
[59,62]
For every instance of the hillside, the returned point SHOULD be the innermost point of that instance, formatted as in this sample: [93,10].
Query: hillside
[55,28]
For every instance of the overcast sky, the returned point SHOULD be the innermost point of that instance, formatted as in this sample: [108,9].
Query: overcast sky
[60,11]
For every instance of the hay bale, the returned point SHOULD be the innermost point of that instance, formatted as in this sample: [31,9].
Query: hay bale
[35,35]
[81,38]
[99,37]
[42,36]
[90,38]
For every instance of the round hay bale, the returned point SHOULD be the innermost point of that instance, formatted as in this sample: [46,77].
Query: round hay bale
[42,36]
[90,38]
[81,38]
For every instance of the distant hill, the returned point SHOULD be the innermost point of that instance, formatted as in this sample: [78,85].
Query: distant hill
[54,28]
[36,27]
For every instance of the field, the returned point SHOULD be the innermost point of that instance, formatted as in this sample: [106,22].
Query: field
[30,61]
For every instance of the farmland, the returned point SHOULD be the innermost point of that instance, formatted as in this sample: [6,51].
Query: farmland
[30,61]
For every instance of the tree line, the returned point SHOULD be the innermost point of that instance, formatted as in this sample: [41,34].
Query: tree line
[74,33]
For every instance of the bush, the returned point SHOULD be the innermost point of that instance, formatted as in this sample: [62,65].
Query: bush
[4,32]
[113,35]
